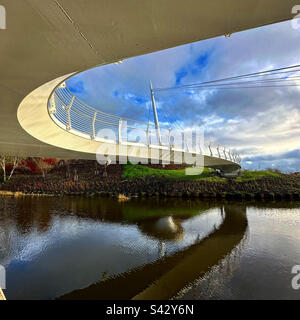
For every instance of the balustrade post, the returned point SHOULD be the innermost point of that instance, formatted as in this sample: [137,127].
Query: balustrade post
[229,154]
[68,110]
[224,151]
[218,149]
[209,147]
[52,109]
[93,135]
[120,131]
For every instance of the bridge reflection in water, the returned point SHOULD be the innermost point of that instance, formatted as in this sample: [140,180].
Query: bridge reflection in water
[144,249]
[111,249]
[169,275]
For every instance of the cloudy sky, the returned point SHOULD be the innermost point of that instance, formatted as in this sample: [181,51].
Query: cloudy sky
[262,124]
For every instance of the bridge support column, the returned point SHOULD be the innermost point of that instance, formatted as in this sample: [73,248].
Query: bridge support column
[230,174]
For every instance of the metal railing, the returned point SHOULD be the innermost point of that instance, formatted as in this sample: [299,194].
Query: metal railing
[75,116]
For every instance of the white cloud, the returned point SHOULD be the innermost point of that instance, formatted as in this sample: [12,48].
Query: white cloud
[252,121]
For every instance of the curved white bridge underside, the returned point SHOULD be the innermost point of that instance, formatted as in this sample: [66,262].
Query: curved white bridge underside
[47,40]
[55,133]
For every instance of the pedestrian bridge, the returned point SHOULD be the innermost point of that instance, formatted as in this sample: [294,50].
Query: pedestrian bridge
[45,42]
[74,125]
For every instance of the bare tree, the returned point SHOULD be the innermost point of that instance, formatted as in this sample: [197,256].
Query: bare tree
[68,172]
[4,161]
[43,166]
[75,175]
[106,164]
[66,164]
[15,161]
[3,166]
[96,168]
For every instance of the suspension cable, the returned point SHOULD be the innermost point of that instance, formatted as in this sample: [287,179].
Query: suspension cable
[249,75]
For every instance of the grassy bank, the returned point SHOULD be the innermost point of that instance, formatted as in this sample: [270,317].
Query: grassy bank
[254,175]
[139,171]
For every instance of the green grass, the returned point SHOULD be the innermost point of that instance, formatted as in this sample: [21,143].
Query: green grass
[253,175]
[138,171]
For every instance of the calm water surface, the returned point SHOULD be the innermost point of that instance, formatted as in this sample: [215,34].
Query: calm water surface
[77,248]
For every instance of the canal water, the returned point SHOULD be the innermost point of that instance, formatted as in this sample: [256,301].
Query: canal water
[84,248]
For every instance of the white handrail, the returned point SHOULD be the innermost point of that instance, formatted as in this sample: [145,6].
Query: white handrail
[77,117]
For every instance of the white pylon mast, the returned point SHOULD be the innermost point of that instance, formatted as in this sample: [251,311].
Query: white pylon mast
[155,114]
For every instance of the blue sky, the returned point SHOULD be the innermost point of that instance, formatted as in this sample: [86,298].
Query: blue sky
[262,124]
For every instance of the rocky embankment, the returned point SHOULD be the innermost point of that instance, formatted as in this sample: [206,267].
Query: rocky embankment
[82,179]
